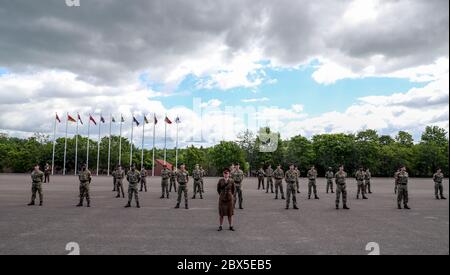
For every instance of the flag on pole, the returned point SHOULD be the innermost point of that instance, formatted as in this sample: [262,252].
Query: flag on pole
[79,118]
[70,118]
[57,118]
[135,121]
[92,119]
[155,119]
[113,119]
[167,120]
[121,119]
[146,120]
[177,120]
[102,119]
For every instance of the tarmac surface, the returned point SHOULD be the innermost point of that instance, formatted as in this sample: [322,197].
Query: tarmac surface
[262,227]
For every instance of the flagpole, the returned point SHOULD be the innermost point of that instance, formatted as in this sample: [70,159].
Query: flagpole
[176,147]
[120,140]
[109,142]
[165,139]
[65,144]
[76,148]
[54,143]
[131,142]
[87,153]
[142,149]
[98,143]
[153,157]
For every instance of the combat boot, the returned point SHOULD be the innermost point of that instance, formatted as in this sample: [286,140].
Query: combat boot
[276,197]
[332,192]
[201,197]
[345,207]
[443,198]
[283,198]
[138,205]
[287,207]
[399,206]
[309,197]
[186,206]
[337,206]
[162,196]
[80,203]
[220,228]
[193,197]
[177,206]
[240,207]
[118,196]
[231,228]
[316,197]
[128,205]
[406,206]
[40,203]
[357,197]
[437,197]
[365,198]
[295,207]
[31,203]
[88,203]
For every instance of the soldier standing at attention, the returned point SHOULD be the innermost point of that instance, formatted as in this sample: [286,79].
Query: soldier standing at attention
[269,174]
[312,177]
[226,189]
[85,181]
[238,177]
[297,179]
[113,174]
[438,187]
[260,174]
[279,175]
[341,187]
[360,175]
[197,175]
[290,178]
[47,172]
[119,176]
[329,175]
[37,177]
[143,180]
[367,177]
[166,174]
[133,178]
[402,188]
[182,179]
[173,181]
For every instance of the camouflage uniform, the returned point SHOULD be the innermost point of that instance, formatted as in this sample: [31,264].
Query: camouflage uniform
[133,178]
[37,177]
[143,180]
[312,176]
[297,180]
[260,174]
[269,174]
[238,177]
[341,188]
[182,179]
[197,175]
[119,176]
[360,182]
[402,189]
[47,172]
[165,176]
[173,181]
[438,187]
[329,175]
[85,181]
[290,178]
[367,178]
[278,175]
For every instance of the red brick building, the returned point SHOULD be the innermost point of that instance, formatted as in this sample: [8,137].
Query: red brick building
[159,166]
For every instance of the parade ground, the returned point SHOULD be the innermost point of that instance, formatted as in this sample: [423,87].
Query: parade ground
[263,227]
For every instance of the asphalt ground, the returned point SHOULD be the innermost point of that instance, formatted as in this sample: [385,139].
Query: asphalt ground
[262,227]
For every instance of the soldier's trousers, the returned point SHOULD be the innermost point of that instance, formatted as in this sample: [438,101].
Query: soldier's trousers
[290,190]
[119,187]
[238,194]
[279,185]
[202,185]
[260,182]
[330,185]
[133,190]
[269,183]
[197,188]
[312,187]
[182,188]
[402,194]
[164,188]
[438,189]
[174,184]
[84,191]
[144,185]
[114,184]
[36,187]
[341,190]
[367,187]
[46,178]
[361,189]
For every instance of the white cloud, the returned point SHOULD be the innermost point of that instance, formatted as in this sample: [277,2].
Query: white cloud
[251,100]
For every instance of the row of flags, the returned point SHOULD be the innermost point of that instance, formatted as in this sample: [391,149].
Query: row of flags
[102,119]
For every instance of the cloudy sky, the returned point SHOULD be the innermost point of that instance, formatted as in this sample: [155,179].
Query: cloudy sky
[222,66]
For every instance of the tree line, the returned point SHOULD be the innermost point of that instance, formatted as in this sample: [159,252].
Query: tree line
[383,154]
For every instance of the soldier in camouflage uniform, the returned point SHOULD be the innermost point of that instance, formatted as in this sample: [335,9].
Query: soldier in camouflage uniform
[438,187]
[238,176]
[279,175]
[197,175]
[367,178]
[85,180]
[312,177]
[173,181]
[269,174]
[133,178]
[402,188]
[290,178]
[165,177]
[182,179]
[341,187]
[143,180]
[119,176]
[360,175]
[260,174]
[297,179]
[37,177]
[329,175]
[113,174]
[47,172]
